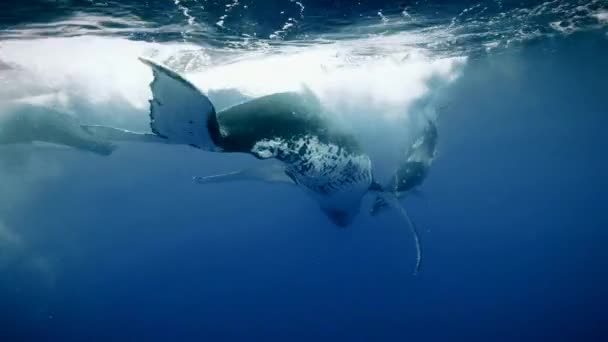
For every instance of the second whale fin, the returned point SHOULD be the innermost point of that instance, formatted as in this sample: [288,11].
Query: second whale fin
[118,134]
[265,173]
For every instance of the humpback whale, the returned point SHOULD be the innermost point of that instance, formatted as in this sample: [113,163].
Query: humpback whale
[410,174]
[413,169]
[313,152]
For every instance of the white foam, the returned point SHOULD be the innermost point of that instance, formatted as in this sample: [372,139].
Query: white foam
[96,69]
[95,77]
[602,16]
[371,85]
[89,72]
[186,12]
[342,79]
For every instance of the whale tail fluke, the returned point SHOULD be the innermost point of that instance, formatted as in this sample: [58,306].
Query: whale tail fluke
[179,112]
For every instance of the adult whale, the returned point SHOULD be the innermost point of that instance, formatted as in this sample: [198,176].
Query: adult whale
[314,152]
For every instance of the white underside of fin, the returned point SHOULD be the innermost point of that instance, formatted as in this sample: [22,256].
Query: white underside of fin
[178,110]
[265,173]
[118,134]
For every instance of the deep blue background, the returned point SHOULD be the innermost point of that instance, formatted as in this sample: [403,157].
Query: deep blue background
[513,221]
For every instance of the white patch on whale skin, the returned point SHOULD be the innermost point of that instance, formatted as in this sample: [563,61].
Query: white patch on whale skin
[336,178]
[419,154]
[268,148]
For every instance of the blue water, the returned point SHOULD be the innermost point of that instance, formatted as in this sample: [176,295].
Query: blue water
[512,215]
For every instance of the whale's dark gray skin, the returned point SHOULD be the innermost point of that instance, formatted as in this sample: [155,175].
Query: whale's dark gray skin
[292,128]
[414,168]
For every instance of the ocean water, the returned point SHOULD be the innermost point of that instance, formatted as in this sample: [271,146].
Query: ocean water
[126,248]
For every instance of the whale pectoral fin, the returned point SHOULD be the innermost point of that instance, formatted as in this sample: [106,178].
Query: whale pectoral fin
[117,134]
[268,174]
[179,111]
[393,201]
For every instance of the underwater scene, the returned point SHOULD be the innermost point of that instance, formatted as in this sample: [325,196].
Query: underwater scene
[313,170]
